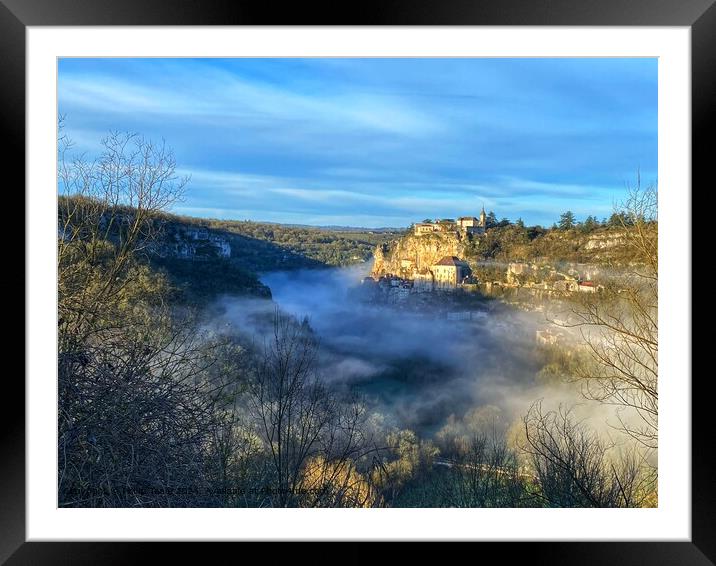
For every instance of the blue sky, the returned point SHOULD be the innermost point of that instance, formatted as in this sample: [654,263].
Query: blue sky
[380,142]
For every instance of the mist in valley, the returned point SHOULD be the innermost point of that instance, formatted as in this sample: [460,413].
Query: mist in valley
[417,368]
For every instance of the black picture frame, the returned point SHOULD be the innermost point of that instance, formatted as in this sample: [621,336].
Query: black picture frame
[699,15]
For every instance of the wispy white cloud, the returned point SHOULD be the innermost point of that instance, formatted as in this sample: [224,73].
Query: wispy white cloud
[230,97]
[410,201]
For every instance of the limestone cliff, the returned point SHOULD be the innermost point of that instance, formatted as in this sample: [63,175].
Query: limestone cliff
[413,253]
[606,240]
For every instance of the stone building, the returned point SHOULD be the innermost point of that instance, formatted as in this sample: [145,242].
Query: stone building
[464,224]
[450,271]
[423,280]
[471,224]
[425,228]
[587,287]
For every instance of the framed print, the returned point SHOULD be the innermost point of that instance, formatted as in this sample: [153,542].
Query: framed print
[416,275]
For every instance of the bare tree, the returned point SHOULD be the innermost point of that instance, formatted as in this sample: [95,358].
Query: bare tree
[575,468]
[483,472]
[307,429]
[136,412]
[620,326]
[401,464]
[109,210]
[151,414]
[235,455]
[137,405]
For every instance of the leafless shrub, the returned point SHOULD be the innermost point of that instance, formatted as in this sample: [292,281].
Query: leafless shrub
[108,210]
[308,431]
[620,327]
[575,468]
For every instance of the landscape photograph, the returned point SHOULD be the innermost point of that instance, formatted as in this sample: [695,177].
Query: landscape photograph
[357,282]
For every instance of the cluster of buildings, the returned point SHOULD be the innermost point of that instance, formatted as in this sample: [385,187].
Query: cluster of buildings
[393,288]
[448,274]
[464,224]
[524,275]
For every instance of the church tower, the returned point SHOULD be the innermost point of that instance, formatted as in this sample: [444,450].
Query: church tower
[483,217]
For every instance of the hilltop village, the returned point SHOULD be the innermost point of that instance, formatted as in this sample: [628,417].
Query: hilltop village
[434,269]
[439,257]
[431,257]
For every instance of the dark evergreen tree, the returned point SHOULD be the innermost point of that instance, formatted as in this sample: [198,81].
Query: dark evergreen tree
[567,220]
[491,219]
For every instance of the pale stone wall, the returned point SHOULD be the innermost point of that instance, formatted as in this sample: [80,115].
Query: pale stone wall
[445,274]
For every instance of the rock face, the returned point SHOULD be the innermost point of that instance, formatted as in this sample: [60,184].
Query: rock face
[191,242]
[415,253]
[603,241]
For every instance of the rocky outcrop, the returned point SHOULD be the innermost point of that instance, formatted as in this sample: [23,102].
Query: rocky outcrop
[604,241]
[191,242]
[414,253]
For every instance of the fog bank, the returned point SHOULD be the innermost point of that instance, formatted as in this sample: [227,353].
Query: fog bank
[416,368]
